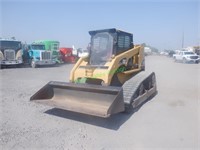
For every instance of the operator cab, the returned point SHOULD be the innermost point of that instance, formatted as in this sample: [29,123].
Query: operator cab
[107,43]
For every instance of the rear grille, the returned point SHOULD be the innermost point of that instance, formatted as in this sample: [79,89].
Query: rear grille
[193,57]
[46,55]
[9,54]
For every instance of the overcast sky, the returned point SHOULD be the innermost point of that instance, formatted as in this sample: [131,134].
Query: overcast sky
[159,23]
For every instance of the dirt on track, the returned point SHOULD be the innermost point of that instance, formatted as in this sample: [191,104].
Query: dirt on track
[171,120]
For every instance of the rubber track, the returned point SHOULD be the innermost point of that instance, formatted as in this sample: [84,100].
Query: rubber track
[131,86]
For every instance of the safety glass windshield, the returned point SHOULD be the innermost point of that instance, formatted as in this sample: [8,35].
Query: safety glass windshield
[101,48]
[189,53]
[10,45]
[38,47]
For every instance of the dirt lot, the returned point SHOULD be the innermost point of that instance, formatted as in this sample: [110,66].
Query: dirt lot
[171,120]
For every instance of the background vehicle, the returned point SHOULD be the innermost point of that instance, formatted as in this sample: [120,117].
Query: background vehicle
[83,52]
[186,56]
[147,51]
[10,52]
[37,55]
[74,51]
[66,55]
[53,46]
[109,81]
[197,50]
[171,53]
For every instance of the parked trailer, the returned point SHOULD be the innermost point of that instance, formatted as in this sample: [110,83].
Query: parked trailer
[37,55]
[66,55]
[10,52]
[53,46]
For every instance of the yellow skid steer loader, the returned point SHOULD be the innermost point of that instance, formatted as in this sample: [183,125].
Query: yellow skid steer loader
[110,80]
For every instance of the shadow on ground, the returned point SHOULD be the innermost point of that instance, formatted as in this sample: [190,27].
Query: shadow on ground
[114,122]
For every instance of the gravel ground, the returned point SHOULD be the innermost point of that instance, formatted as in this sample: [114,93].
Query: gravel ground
[170,121]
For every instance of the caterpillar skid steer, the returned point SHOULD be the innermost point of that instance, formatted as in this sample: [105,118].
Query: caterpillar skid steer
[110,80]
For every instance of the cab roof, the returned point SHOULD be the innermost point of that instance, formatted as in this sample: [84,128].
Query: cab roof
[111,30]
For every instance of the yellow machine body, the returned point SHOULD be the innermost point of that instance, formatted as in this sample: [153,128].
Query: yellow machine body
[104,74]
[103,85]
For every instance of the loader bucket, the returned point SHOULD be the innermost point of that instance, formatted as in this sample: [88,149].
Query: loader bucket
[82,98]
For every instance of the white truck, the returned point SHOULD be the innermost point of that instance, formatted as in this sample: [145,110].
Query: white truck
[83,52]
[186,56]
[10,52]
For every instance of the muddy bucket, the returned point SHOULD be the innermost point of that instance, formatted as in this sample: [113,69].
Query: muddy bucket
[89,99]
